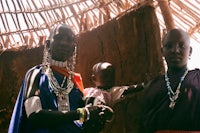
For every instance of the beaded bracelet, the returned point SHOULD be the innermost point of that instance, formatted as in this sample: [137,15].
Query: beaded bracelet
[82,113]
[88,113]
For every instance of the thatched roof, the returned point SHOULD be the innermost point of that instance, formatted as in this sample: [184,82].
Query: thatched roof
[27,22]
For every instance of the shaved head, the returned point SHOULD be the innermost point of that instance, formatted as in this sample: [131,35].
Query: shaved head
[176,48]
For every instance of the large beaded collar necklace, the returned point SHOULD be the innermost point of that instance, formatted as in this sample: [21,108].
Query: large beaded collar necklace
[58,63]
[173,96]
[61,92]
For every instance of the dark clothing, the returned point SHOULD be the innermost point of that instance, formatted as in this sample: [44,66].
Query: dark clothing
[186,114]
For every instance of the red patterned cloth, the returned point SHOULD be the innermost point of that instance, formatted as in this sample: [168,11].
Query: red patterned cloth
[77,79]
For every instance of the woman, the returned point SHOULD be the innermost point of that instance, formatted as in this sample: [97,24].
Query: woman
[172,100]
[50,100]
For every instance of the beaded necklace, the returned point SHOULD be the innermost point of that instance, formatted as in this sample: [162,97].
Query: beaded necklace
[173,96]
[60,91]
[58,63]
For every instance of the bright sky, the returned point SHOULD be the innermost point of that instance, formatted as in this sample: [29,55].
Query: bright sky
[194,62]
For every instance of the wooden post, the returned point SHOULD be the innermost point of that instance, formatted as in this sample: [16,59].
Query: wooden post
[166,13]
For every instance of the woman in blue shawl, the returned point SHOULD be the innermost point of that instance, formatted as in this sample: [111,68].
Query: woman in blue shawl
[50,99]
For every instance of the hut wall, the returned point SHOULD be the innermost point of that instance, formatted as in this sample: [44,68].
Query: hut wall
[131,43]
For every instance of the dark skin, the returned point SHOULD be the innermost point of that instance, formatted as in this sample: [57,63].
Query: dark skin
[61,48]
[104,76]
[176,49]
[176,87]
[62,44]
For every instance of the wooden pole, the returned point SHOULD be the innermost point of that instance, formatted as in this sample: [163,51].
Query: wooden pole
[166,13]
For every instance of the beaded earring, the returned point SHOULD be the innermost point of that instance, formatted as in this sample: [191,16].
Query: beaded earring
[72,60]
[46,56]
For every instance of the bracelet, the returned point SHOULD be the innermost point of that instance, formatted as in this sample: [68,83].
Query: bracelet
[88,113]
[82,114]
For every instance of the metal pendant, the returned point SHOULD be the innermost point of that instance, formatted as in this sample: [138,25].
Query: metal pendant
[172,104]
[63,102]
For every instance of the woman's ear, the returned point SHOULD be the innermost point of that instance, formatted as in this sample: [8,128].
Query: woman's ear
[162,52]
[48,44]
[190,51]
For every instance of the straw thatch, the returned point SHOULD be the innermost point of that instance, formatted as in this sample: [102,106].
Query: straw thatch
[26,23]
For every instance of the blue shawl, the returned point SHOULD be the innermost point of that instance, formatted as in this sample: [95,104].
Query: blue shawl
[48,99]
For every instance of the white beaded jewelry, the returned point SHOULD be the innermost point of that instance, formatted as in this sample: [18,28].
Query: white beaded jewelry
[173,96]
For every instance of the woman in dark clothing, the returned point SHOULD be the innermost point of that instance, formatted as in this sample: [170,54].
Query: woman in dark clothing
[172,101]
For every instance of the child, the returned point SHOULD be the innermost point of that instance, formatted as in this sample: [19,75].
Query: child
[104,93]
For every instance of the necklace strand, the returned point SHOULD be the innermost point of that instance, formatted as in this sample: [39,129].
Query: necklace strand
[173,96]
[61,92]
[63,82]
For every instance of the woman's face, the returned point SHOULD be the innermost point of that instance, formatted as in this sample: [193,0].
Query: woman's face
[62,44]
[176,49]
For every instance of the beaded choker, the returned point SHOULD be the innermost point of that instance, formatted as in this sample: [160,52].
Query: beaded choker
[173,96]
[58,63]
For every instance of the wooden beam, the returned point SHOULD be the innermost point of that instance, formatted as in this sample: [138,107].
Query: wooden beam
[166,13]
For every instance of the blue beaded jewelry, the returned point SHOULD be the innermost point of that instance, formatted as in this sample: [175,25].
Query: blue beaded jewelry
[173,96]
